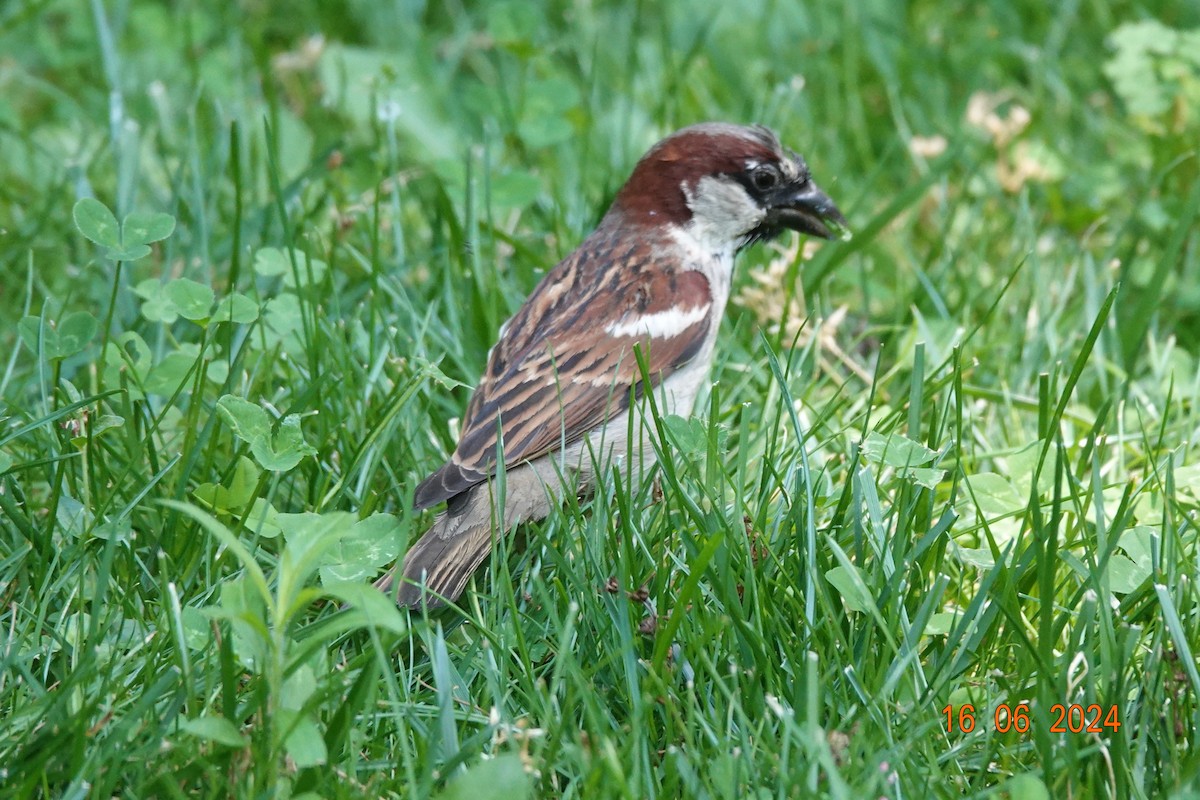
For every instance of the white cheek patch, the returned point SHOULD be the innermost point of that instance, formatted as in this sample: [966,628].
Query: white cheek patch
[660,324]
[722,211]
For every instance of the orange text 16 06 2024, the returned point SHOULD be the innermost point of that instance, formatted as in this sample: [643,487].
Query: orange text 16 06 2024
[1005,718]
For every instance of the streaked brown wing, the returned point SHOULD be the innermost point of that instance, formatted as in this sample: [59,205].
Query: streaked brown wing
[555,374]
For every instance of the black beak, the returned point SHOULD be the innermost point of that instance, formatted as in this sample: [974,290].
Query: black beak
[807,209]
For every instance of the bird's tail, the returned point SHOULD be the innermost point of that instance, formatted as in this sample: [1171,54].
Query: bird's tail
[436,569]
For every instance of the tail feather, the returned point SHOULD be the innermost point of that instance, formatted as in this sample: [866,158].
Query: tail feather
[436,569]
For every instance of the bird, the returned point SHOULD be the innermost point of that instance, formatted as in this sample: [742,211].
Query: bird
[634,310]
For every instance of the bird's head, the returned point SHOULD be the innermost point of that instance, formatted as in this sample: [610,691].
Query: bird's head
[731,184]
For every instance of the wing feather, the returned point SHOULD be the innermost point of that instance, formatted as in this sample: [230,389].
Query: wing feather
[554,375]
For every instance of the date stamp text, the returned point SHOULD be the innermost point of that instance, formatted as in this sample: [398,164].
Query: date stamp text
[1072,718]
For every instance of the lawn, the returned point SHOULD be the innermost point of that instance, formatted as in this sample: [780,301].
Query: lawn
[932,533]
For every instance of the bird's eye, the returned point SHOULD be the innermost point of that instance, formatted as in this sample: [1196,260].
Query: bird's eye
[765,178]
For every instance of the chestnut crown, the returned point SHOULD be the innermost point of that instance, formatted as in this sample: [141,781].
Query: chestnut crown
[730,182]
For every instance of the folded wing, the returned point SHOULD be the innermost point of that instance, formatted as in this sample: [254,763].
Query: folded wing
[566,362]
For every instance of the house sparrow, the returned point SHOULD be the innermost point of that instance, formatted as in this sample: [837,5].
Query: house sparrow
[655,277]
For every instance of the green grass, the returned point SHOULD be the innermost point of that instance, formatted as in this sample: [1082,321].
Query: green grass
[958,466]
